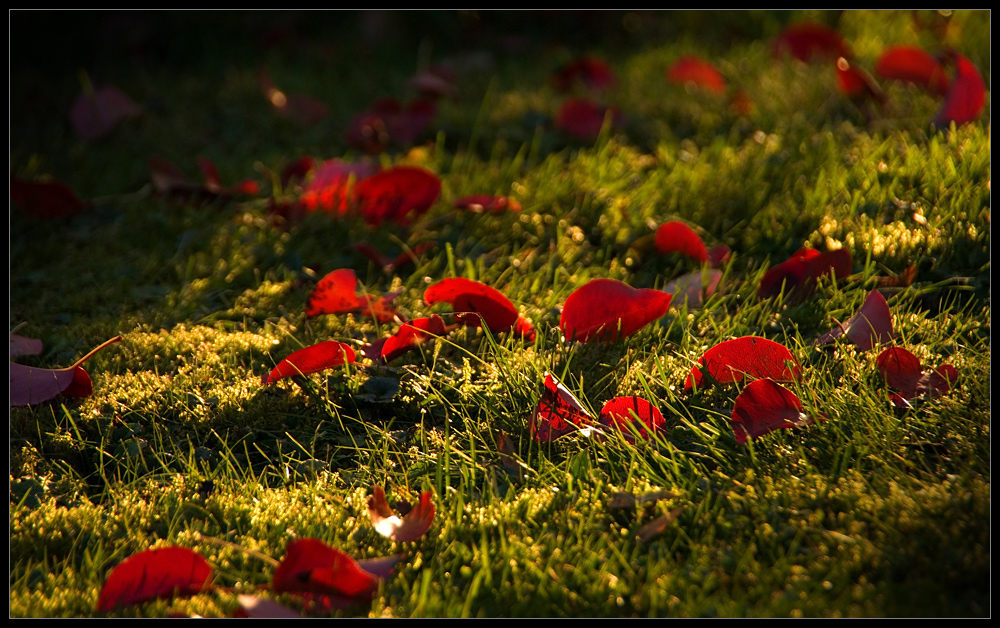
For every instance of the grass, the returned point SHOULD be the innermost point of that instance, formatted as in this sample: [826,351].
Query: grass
[874,512]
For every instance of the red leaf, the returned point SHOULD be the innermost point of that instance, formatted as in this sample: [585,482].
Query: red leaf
[966,97]
[584,119]
[318,357]
[477,304]
[19,345]
[677,237]
[857,84]
[913,64]
[631,414]
[763,407]
[410,527]
[410,336]
[396,193]
[871,325]
[336,293]
[691,69]
[749,356]
[799,273]
[332,187]
[45,199]
[479,203]
[260,608]
[807,41]
[154,574]
[387,122]
[592,72]
[693,288]
[903,371]
[558,412]
[311,566]
[96,113]
[609,309]
[169,180]
[30,385]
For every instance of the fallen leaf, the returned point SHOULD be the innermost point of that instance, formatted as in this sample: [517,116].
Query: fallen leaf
[799,273]
[332,186]
[19,345]
[45,199]
[336,293]
[658,526]
[477,304]
[260,608]
[747,357]
[153,574]
[693,288]
[410,527]
[409,336]
[170,181]
[914,65]
[97,112]
[871,325]
[809,41]
[903,371]
[857,84]
[693,70]
[584,119]
[557,413]
[966,96]
[394,194]
[313,359]
[607,309]
[30,385]
[677,237]
[764,406]
[630,416]
[312,566]
[587,70]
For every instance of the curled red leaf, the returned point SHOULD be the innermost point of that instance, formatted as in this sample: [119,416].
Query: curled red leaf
[870,325]
[409,336]
[410,527]
[557,413]
[914,65]
[30,385]
[809,41]
[336,293]
[966,96]
[154,574]
[693,70]
[763,407]
[903,371]
[477,304]
[396,194]
[677,237]
[631,415]
[607,309]
[313,359]
[800,272]
[312,566]
[332,186]
[747,357]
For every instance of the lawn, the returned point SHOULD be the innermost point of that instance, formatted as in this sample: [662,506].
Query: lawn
[282,250]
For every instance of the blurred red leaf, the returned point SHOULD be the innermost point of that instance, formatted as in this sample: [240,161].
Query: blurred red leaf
[590,71]
[693,288]
[871,325]
[558,412]
[313,359]
[763,407]
[332,188]
[733,360]
[966,96]
[260,608]
[718,255]
[693,70]
[434,83]
[389,264]
[30,385]
[45,199]
[154,574]
[608,309]
[312,566]
[476,304]
[631,415]
[410,527]
[903,371]
[336,293]
[914,65]
[479,203]
[409,336]
[808,41]
[857,84]
[799,273]
[96,113]
[170,181]
[584,119]
[19,345]
[396,193]
[388,123]
[677,237]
